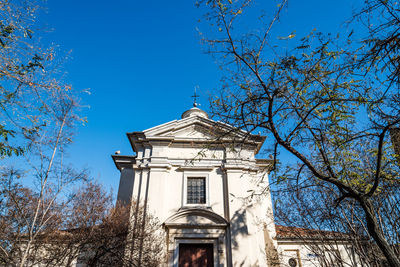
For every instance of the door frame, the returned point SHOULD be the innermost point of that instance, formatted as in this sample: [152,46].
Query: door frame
[213,241]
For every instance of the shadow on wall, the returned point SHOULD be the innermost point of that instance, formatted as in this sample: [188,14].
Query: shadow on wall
[238,225]
[243,263]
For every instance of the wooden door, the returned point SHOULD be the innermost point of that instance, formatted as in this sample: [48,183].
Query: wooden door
[196,255]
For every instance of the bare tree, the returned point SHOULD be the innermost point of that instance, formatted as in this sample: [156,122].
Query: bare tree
[323,229]
[44,221]
[38,112]
[329,112]
[85,228]
[103,241]
[381,19]
[30,212]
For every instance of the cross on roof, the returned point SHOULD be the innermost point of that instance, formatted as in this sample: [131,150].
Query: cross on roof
[195,96]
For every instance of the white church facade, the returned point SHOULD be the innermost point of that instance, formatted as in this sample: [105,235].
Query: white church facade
[202,180]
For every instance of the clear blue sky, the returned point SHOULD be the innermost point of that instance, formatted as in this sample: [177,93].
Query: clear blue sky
[142,60]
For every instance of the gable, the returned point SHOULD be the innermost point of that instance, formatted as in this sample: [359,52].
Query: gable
[196,129]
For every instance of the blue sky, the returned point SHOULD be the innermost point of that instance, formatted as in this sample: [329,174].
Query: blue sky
[141,61]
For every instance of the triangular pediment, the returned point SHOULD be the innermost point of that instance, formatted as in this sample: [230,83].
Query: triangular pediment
[194,128]
[195,131]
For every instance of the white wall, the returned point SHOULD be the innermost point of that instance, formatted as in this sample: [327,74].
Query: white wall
[302,251]
[162,190]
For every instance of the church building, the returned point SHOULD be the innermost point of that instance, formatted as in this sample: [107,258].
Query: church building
[202,180]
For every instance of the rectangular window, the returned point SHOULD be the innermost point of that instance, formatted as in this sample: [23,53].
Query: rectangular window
[196,190]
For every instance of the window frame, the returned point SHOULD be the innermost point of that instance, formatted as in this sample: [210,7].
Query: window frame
[187,175]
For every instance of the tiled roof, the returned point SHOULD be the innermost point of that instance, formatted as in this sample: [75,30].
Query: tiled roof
[291,232]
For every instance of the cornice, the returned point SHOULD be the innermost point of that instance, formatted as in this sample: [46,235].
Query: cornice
[195,167]
[123,161]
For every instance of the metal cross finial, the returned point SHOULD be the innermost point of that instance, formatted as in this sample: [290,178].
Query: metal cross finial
[195,96]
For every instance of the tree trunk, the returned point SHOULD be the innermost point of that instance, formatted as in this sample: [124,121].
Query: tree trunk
[376,232]
[25,255]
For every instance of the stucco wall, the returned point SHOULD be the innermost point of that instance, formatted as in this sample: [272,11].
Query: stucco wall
[169,153]
[306,256]
[162,190]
